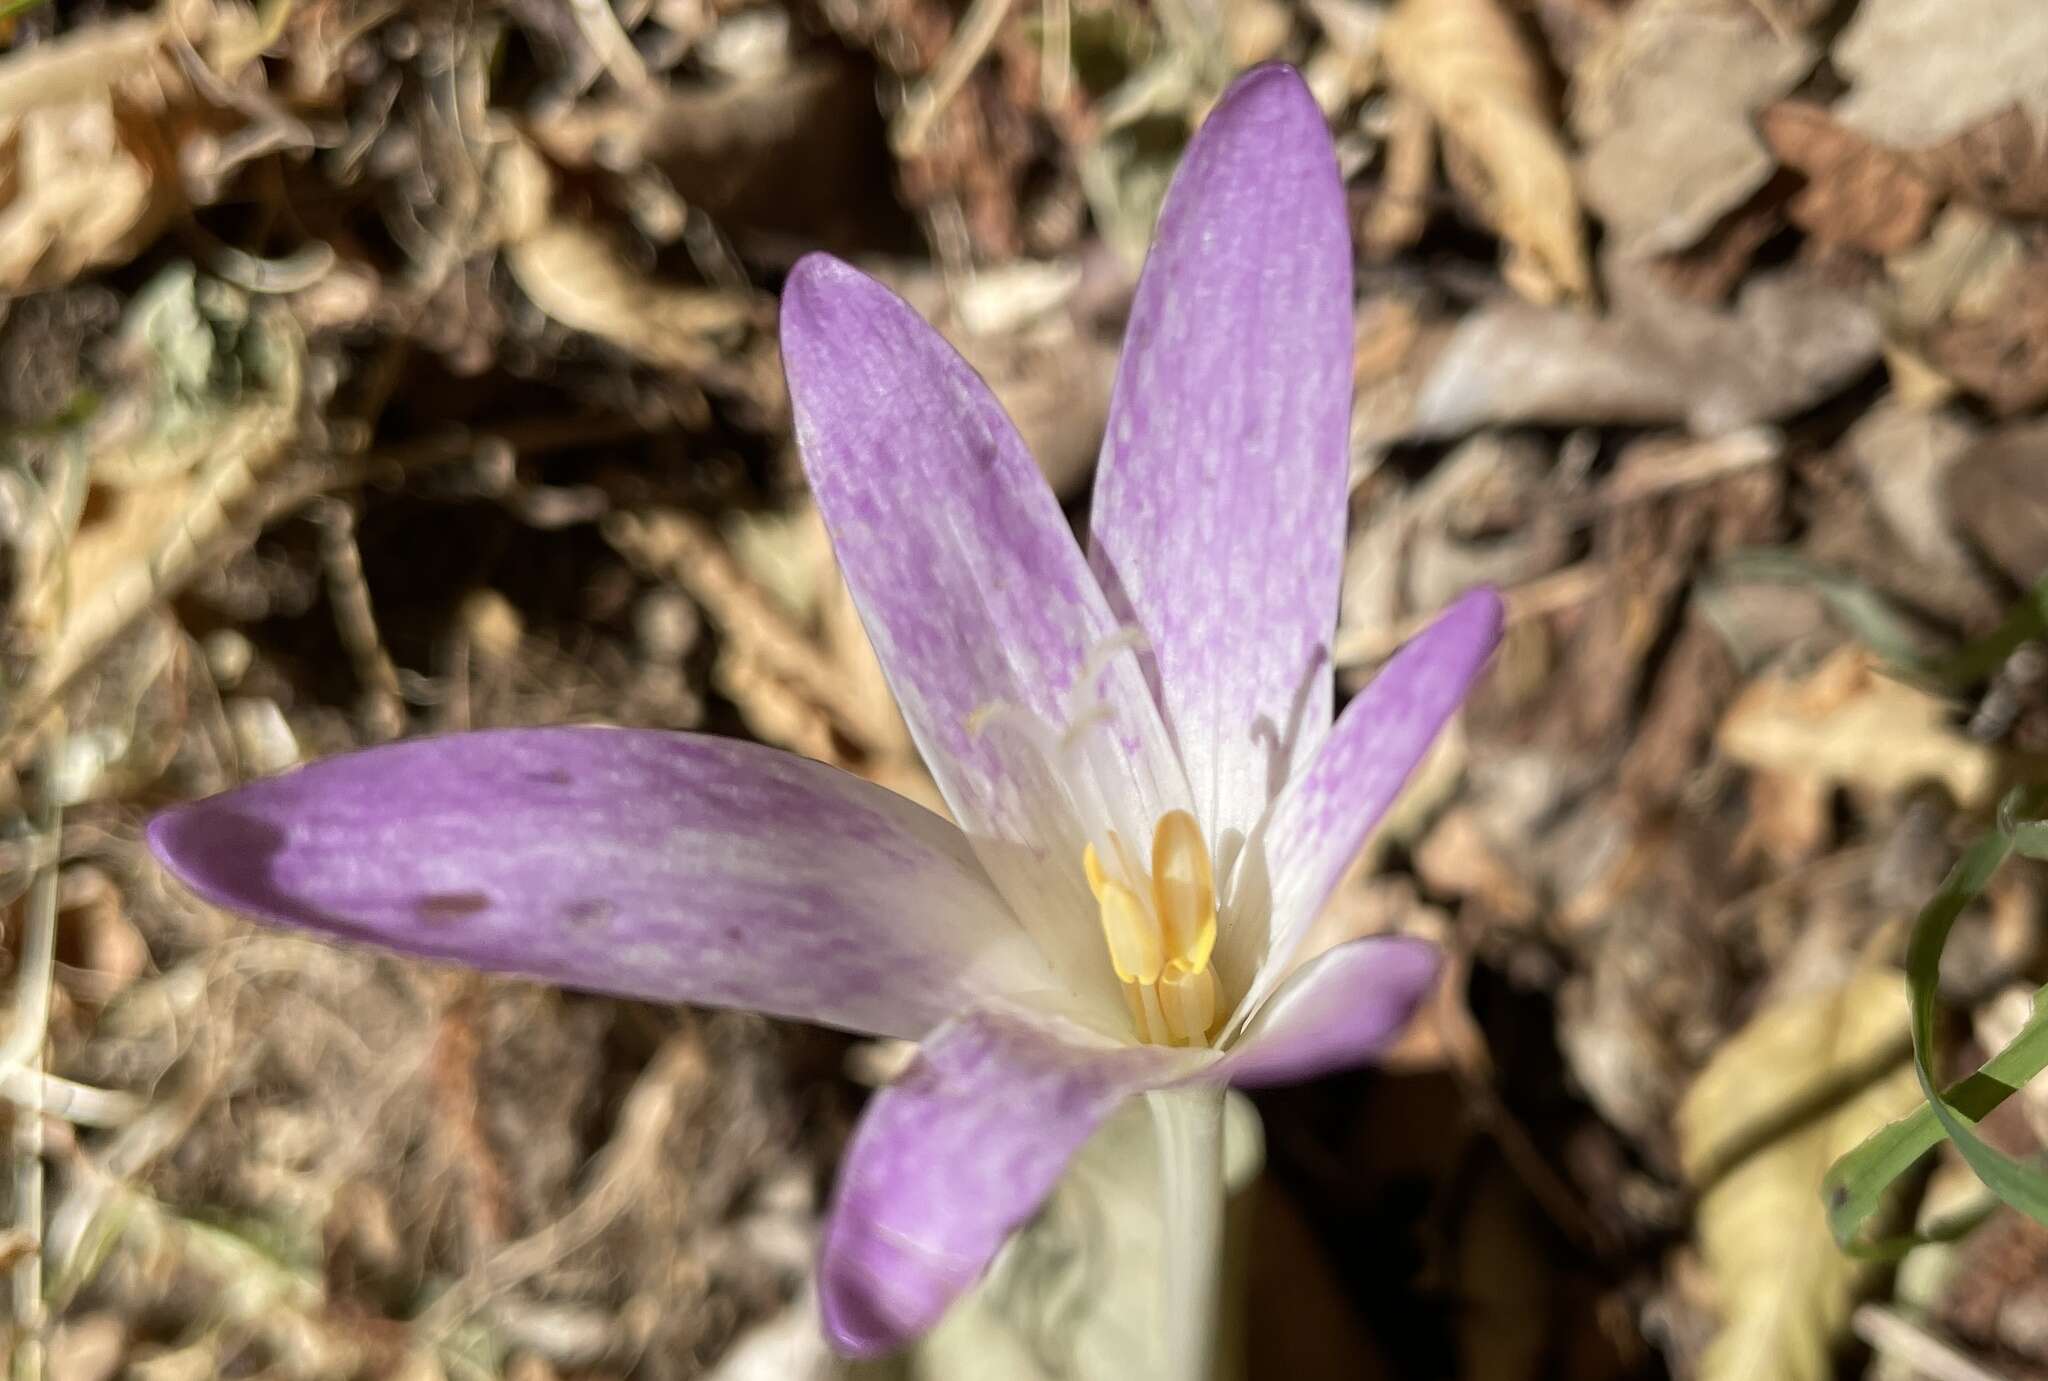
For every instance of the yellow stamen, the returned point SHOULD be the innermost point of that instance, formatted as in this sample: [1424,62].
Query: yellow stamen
[1187,997]
[1161,952]
[1134,949]
[1184,890]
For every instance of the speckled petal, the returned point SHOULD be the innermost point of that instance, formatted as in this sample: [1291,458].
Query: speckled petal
[1220,505]
[670,867]
[973,591]
[953,1157]
[1341,1009]
[1318,826]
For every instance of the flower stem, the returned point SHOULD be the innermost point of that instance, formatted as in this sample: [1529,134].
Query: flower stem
[1189,1126]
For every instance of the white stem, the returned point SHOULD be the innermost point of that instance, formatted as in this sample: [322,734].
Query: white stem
[1189,1124]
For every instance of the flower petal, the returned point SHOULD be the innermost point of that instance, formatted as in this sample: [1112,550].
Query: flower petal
[1319,824]
[670,867]
[1341,1009]
[972,590]
[954,1157]
[1219,509]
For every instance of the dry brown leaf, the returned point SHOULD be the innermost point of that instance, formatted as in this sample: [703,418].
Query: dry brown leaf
[1400,205]
[103,139]
[1471,67]
[1848,724]
[1904,455]
[1790,340]
[2001,356]
[1856,193]
[1963,270]
[575,274]
[165,495]
[1665,106]
[1971,303]
[2001,164]
[1802,1083]
[2000,495]
[88,163]
[1924,71]
[799,150]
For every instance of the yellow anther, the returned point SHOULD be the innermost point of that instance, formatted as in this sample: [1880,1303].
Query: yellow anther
[1187,999]
[1092,866]
[1184,890]
[1161,951]
[1134,949]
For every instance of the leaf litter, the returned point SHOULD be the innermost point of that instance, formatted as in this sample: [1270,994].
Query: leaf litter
[371,369]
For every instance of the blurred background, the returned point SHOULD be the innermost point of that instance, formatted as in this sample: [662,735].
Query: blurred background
[371,369]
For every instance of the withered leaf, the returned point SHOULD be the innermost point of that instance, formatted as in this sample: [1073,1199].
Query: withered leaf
[1665,105]
[1785,1291]
[1923,71]
[1471,67]
[2001,164]
[1999,493]
[2002,356]
[1789,341]
[1857,193]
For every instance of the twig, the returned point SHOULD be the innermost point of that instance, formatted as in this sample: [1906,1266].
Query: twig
[684,548]
[354,620]
[644,1120]
[24,1048]
[1056,66]
[1933,1357]
[1544,595]
[613,46]
[929,98]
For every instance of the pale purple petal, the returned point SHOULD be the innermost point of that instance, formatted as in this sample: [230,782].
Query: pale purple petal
[1341,1009]
[971,587]
[953,1158]
[1219,509]
[1319,824]
[670,867]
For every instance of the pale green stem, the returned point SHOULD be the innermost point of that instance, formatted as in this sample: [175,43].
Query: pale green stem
[1189,1123]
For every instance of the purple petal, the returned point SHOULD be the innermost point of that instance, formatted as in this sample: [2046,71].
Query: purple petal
[1319,824]
[1220,504]
[1341,1009]
[953,1158]
[971,587]
[670,867]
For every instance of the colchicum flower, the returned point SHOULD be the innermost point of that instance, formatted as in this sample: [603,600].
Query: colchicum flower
[1137,743]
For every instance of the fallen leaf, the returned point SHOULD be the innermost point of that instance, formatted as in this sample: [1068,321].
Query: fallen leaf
[219,398]
[574,273]
[1924,71]
[1845,723]
[1471,67]
[1664,106]
[1790,340]
[1999,492]
[1400,205]
[1971,304]
[796,151]
[1904,456]
[1963,269]
[1805,1080]
[1857,193]
[89,130]
[2002,355]
[2001,164]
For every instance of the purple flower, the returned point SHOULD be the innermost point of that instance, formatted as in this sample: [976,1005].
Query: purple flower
[1153,802]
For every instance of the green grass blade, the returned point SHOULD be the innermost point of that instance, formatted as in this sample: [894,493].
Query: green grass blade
[1856,1185]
